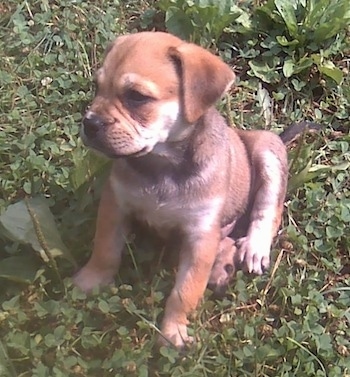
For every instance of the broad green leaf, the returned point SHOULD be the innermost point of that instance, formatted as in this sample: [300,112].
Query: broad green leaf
[325,31]
[324,342]
[178,23]
[312,14]
[19,268]
[317,58]
[268,12]
[298,85]
[265,72]
[19,226]
[312,171]
[103,306]
[331,71]
[209,18]
[325,168]
[304,63]
[298,179]
[325,18]
[288,68]
[345,214]
[287,12]
[245,20]
[328,68]
[222,6]
[143,371]
[7,368]
[283,41]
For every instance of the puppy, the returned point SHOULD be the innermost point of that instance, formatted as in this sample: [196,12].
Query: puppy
[179,168]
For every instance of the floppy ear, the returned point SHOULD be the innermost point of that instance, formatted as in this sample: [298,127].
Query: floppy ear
[204,76]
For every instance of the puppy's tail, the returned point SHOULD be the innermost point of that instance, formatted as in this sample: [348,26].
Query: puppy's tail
[296,129]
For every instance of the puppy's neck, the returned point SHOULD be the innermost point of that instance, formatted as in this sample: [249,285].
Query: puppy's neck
[175,150]
[172,151]
[168,158]
[185,157]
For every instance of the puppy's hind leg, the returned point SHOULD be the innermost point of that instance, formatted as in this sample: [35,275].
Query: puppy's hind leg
[224,267]
[271,180]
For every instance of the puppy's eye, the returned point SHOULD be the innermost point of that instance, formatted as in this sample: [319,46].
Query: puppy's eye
[135,98]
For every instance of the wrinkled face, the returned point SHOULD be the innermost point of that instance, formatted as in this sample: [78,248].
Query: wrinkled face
[137,101]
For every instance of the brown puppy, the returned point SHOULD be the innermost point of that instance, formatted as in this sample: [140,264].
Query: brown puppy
[179,168]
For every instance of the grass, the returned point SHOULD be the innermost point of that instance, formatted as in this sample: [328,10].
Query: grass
[292,63]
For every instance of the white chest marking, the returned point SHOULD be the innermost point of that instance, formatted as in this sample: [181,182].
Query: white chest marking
[169,211]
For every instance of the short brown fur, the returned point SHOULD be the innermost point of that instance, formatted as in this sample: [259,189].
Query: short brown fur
[178,166]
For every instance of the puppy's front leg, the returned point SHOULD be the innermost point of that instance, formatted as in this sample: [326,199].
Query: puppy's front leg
[108,244]
[196,260]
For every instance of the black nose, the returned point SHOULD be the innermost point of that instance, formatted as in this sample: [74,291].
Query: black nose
[92,124]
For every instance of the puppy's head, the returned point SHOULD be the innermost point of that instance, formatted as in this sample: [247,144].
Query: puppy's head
[152,88]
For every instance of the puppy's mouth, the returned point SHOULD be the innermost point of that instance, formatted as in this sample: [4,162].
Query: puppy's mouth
[111,141]
[142,152]
[113,154]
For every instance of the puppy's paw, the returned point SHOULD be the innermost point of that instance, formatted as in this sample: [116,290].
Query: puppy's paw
[223,268]
[255,257]
[88,278]
[176,335]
